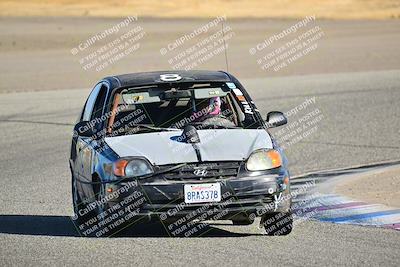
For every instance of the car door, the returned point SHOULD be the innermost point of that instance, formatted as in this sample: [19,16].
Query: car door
[85,146]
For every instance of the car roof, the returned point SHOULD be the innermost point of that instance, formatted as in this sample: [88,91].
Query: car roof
[146,78]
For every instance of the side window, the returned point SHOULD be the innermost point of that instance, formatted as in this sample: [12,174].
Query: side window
[87,112]
[99,104]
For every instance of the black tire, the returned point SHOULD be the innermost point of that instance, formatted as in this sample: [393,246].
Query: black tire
[77,203]
[104,229]
[82,222]
[277,224]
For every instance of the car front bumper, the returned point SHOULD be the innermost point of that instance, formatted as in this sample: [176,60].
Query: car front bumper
[241,197]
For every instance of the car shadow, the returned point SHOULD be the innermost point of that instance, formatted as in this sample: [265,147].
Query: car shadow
[48,225]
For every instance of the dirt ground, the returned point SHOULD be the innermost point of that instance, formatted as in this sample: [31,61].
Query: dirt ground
[332,9]
[379,187]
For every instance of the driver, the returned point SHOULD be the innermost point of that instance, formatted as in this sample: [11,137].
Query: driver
[207,108]
[215,106]
[210,112]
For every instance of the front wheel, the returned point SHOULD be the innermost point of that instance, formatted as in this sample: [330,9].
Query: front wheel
[277,223]
[78,205]
[88,221]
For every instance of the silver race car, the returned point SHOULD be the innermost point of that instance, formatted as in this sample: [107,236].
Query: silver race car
[178,147]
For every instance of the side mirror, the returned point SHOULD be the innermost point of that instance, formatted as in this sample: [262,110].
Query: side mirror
[275,119]
[84,128]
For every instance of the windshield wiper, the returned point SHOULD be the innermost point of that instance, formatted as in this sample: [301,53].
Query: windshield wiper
[136,128]
[212,126]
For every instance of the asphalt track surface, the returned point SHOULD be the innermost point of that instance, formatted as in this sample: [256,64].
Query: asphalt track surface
[36,52]
[360,126]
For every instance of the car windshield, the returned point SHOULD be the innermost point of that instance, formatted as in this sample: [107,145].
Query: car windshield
[167,108]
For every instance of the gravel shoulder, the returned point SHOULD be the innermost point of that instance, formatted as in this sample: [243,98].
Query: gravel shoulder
[350,9]
[380,186]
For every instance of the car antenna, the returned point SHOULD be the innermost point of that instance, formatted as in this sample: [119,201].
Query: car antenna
[225,48]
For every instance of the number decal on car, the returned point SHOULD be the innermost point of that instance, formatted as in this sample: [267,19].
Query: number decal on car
[170,77]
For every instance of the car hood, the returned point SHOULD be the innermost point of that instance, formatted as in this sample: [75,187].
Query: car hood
[162,148]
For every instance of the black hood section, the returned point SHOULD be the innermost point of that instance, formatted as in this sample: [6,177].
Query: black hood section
[190,135]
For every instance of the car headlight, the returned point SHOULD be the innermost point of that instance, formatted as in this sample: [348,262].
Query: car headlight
[132,167]
[264,159]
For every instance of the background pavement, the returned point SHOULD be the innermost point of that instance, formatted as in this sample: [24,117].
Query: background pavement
[36,52]
[353,79]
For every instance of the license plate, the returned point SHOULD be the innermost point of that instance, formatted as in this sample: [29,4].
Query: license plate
[202,193]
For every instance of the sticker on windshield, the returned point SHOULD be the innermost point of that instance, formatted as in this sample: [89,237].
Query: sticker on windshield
[137,98]
[216,92]
[237,92]
[247,108]
[241,98]
[231,85]
[239,95]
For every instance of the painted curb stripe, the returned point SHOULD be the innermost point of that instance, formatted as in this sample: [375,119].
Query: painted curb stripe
[332,207]
[361,216]
[392,226]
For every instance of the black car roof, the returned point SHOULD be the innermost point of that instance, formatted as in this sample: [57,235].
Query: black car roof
[145,78]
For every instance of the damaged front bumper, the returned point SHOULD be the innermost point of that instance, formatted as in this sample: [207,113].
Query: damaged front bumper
[243,197]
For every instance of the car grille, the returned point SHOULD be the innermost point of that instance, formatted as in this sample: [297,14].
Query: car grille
[203,171]
[237,203]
